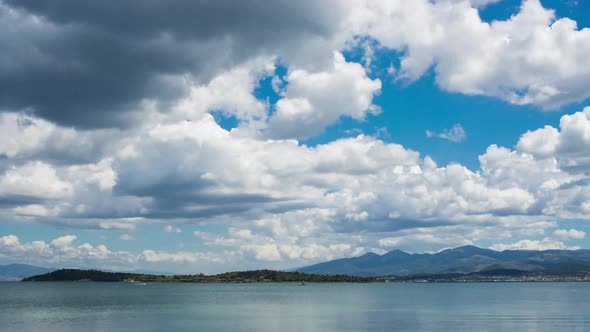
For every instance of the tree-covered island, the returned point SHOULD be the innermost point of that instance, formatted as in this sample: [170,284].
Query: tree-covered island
[228,277]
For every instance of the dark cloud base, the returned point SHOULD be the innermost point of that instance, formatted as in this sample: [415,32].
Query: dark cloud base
[97,60]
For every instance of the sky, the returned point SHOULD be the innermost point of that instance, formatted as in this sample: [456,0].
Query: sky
[208,136]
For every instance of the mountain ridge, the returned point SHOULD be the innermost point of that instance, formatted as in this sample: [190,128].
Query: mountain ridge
[464,259]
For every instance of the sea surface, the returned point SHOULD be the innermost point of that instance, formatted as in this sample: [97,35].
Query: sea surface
[91,306]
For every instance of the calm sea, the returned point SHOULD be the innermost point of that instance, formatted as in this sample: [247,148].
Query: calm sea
[89,306]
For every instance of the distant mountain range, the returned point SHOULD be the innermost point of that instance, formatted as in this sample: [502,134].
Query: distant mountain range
[465,259]
[15,272]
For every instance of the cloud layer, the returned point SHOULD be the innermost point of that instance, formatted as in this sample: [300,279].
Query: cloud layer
[107,68]
[281,200]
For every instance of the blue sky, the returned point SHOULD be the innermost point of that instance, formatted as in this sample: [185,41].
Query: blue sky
[283,140]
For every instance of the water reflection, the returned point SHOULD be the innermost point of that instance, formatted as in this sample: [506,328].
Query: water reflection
[289,307]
